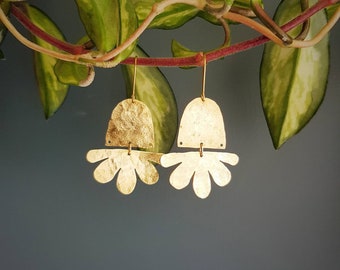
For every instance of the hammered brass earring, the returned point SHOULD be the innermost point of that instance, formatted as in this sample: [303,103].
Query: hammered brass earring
[130,127]
[201,127]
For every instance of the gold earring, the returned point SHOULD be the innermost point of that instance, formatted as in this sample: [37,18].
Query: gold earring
[201,126]
[130,126]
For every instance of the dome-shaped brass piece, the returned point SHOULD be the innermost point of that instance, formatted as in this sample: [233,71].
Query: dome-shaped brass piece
[202,125]
[130,125]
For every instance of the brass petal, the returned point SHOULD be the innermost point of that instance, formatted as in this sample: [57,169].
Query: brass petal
[105,171]
[145,170]
[199,166]
[152,156]
[220,174]
[202,183]
[171,159]
[229,158]
[181,176]
[118,160]
[96,155]
[127,179]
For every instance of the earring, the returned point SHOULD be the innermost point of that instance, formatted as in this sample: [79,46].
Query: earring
[130,127]
[201,127]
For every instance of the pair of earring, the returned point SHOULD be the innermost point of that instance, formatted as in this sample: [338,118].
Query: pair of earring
[131,126]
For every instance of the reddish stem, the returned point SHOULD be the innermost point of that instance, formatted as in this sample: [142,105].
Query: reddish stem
[233,49]
[196,60]
[304,16]
[26,22]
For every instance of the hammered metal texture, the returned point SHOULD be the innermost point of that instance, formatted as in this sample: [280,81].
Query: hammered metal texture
[130,123]
[126,166]
[202,122]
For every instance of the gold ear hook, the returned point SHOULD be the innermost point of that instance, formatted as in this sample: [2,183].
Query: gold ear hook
[203,76]
[134,80]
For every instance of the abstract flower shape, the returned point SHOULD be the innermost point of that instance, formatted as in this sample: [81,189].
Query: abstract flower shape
[198,167]
[125,163]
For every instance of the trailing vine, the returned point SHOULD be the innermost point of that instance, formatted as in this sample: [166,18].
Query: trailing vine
[114,26]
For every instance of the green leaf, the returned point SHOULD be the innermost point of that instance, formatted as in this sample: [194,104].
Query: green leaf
[154,90]
[109,23]
[178,50]
[293,81]
[73,73]
[246,4]
[173,16]
[101,21]
[128,24]
[331,10]
[52,92]
[243,6]
[216,8]
[209,17]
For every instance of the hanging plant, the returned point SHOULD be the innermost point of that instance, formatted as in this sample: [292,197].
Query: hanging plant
[293,71]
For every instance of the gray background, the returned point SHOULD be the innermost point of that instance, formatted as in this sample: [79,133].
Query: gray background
[280,211]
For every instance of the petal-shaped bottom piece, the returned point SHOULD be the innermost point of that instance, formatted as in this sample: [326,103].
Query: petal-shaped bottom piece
[99,154]
[229,158]
[146,171]
[126,180]
[171,159]
[192,164]
[105,171]
[120,160]
[181,176]
[202,183]
[220,174]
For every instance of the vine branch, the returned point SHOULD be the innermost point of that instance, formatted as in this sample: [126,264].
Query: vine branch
[80,54]
[62,45]
[197,60]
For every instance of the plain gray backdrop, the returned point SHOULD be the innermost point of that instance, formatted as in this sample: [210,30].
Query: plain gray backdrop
[281,210]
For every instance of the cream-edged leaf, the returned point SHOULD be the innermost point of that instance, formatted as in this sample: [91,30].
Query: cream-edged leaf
[293,81]
[52,91]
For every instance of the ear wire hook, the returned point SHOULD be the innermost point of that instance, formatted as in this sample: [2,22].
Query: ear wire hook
[133,95]
[203,76]
[134,80]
